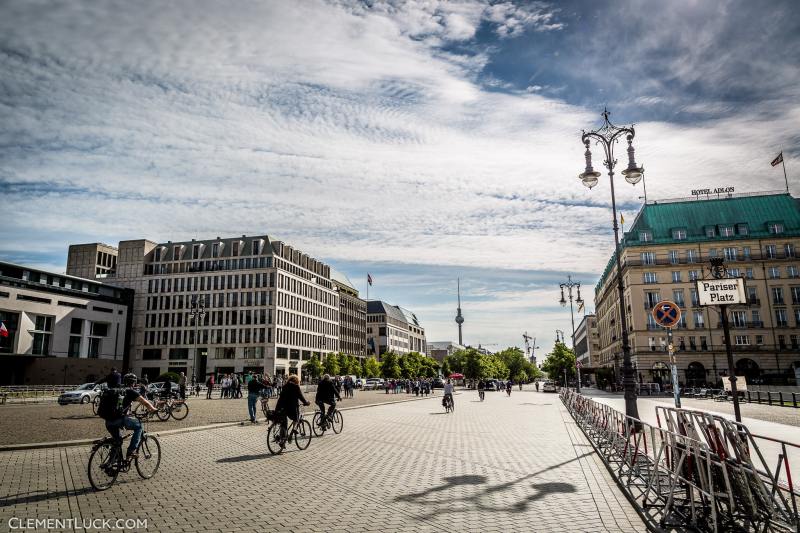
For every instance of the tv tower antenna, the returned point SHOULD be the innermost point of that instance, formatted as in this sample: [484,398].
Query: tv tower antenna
[459,318]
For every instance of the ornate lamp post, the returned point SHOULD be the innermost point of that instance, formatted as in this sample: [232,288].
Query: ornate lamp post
[198,314]
[606,136]
[569,285]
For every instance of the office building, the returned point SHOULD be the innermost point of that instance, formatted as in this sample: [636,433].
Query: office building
[393,329]
[441,349]
[61,329]
[352,317]
[668,249]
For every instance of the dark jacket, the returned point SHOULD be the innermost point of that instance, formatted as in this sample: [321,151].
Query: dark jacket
[290,396]
[326,391]
[254,386]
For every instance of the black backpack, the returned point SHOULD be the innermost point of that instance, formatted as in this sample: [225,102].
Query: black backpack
[110,406]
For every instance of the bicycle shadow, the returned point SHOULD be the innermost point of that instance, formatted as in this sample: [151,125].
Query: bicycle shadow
[249,457]
[73,417]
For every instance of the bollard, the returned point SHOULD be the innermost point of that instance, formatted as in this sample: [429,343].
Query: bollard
[794,400]
[748,396]
[780,397]
[769,397]
[758,396]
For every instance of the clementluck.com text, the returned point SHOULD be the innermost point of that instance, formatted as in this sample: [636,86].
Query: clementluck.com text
[100,524]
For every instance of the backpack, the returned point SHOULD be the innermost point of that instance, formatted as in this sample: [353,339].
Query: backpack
[110,406]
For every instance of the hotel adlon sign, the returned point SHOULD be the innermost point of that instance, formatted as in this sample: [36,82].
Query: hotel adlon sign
[724,291]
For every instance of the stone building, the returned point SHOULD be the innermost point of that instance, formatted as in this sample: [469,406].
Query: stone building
[352,317]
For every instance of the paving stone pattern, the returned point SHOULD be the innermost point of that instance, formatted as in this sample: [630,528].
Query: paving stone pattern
[506,464]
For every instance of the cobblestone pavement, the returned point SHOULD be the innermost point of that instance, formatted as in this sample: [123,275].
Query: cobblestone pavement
[52,422]
[506,464]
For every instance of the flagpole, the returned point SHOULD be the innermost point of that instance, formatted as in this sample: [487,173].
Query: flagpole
[783,162]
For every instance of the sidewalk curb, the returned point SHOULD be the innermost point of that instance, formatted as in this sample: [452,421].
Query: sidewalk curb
[84,442]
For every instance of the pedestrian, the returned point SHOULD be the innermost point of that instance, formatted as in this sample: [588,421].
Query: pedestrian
[209,386]
[182,385]
[254,387]
[537,386]
[238,386]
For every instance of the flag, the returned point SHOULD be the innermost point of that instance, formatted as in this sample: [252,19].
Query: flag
[778,160]
[3,330]
[621,219]
[369,279]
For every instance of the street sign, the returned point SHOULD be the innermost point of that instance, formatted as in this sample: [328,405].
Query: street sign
[667,314]
[721,291]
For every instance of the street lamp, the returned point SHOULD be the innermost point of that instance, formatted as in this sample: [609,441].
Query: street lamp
[607,136]
[569,285]
[198,313]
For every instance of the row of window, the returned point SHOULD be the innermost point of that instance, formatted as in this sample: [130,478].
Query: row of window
[209,318]
[209,301]
[208,336]
[730,253]
[721,230]
[208,283]
[738,319]
[247,263]
[792,272]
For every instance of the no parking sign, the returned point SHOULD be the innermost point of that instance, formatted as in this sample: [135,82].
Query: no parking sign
[667,314]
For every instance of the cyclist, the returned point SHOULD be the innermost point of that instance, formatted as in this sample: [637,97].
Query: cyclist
[448,393]
[286,406]
[509,384]
[115,423]
[326,391]
[481,389]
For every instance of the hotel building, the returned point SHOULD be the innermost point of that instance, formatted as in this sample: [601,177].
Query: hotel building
[393,329]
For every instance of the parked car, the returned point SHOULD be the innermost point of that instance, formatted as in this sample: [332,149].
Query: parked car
[438,383]
[549,386]
[155,389]
[373,383]
[490,384]
[359,383]
[84,394]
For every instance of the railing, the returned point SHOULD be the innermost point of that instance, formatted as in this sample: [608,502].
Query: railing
[697,472]
[32,393]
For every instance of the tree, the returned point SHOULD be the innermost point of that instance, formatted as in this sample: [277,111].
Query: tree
[314,367]
[332,364]
[515,361]
[372,368]
[559,360]
[429,368]
[475,365]
[349,365]
[390,367]
[446,366]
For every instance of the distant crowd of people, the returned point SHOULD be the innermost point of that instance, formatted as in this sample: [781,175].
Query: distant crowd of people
[417,387]
[230,385]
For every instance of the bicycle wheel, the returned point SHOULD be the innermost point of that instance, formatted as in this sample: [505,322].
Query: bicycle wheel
[316,425]
[95,403]
[274,439]
[102,466]
[179,411]
[303,436]
[337,423]
[149,457]
[265,409]
[163,412]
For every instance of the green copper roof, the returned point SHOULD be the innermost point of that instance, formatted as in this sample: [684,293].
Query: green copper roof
[755,212]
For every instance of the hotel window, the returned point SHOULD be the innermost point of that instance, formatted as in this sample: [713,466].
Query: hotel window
[726,231]
[710,231]
[742,340]
[157,254]
[775,227]
[699,320]
[749,273]
[791,272]
[676,276]
[781,320]
[215,250]
[795,295]
[196,251]
[651,298]
[712,252]
[650,277]
[691,256]
[645,236]
[797,316]
[43,329]
[756,314]
[674,257]
[730,254]
[777,295]
[695,300]
[788,250]
[739,319]
[679,234]
[734,273]
[774,272]
[746,253]
[694,275]
[769,251]
[759,339]
[677,297]
[752,295]
[743,229]
[648,258]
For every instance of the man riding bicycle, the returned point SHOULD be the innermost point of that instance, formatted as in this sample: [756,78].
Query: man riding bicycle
[326,391]
[117,417]
[448,393]
[287,404]
[481,389]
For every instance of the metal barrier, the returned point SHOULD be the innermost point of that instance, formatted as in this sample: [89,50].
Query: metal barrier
[32,393]
[700,472]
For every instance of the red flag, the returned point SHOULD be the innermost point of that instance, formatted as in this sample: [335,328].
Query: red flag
[369,279]
[778,160]
[3,330]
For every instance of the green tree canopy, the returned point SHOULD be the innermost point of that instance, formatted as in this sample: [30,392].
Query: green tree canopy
[372,368]
[314,367]
[332,365]
[390,367]
[559,360]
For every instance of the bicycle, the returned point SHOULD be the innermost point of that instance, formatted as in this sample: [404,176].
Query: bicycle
[299,429]
[265,406]
[449,405]
[482,394]
[333,420]
[176,408]
[508,391]
[95,404]
[107,460]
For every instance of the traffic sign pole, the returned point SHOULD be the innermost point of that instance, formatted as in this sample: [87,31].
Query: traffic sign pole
[668,315]
[674,369]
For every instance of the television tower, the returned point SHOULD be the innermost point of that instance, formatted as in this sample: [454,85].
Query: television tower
[459,318]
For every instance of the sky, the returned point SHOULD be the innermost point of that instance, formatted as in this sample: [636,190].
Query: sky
[417,141]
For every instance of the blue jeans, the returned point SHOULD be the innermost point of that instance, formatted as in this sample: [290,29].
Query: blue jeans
[252,398]
[113,427]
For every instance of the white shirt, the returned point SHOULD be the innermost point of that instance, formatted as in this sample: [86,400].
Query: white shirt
[448,388]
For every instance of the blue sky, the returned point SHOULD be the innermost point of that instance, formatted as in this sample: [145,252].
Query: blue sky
[418,141]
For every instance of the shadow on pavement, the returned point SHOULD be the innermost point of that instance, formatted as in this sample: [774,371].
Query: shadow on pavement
[73,417]
[40,496]
[242,458]
[444,504]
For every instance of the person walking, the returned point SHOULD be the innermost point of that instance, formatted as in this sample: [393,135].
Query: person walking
[209,386]
[254,387]
[182,385]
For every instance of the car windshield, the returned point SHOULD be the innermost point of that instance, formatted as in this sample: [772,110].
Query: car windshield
[86,386]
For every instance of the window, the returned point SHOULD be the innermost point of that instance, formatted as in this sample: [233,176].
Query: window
[746,253]
[777,295]
[157,254]
[791,272]
[729,253]
[650,277]
[780,318]
[692,256]
[43,329]
[739,319]
[674,257]
[759,339]
[651,298]
[235,248]
[756,318]
[651,323]
[695,300]
[743,229]
[734,273]
[710,231]
[679,234]
[742,340]
[256,247]
[694,275]
[712,252]
[774,272]
[151,353]
[749,273]
[176,253]
[788,250]
[676,276]
[752,295]
[196,251]
[795,295]
[769,251]
[648,258]
[645,236]
[74,347]
[775,227]
[677,297]
[726,231]
[699,321]
[214,250]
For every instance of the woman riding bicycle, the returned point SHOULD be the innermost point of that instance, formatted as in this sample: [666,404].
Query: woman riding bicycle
[290,396]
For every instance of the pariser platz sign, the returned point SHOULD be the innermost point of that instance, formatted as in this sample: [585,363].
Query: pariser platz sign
[724,291]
